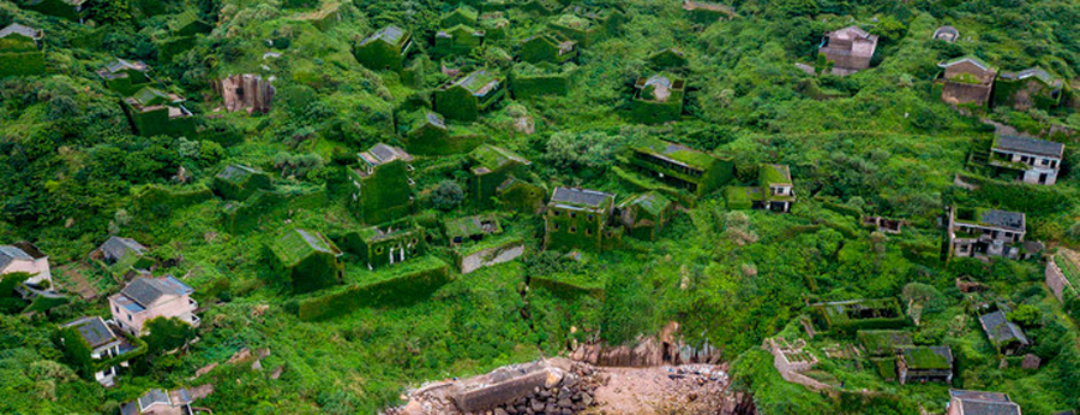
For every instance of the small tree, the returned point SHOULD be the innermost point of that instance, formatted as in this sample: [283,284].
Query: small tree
[167,334]
[447,195]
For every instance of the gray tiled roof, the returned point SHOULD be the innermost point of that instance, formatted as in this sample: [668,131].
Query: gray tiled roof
[93,330]
[1003,219]
[984,403]
[145,291]
[1029,145]
[117,247]
[18,29]
[9,253]
[999,329]
[585,197]
[154,396]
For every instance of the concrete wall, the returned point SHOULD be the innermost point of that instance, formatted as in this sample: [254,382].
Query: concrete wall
[167,306]
[39,268]
[490,256]
[1055,279]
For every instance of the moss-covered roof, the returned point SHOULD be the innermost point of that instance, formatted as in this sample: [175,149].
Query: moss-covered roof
[937,357]
[774,174]
[677,153]
[149,96]
[393,35]
[493,158]
[573,22]
[472,225]
[652,202]
[296,245]
[844,311]
[884,342]
[400,229]
[479,83]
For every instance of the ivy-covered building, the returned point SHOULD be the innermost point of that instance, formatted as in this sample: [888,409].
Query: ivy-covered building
[154,112]
[854,315]
[984,233]
[581,219]
[528,80]
[465,97]
[382,184]
[1029,88]
[966,81]
[925,364]
[645,215]
[458,40]
[384,50]
[682,167]
[493,172]
[75,10]
[181,36]
[125,77]
[97,350]
[430,135]
[21,51]
[659,99]
[462,15]
[850,49]
[668,59]
[306,259]
[122,256]
[1029,160]
[775,191]
[548,47]
[494,24]
[389,244]
[586,28]
[238,182]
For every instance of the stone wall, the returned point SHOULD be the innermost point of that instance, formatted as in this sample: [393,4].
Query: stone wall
[1056,280]
[788,369]
[246,92]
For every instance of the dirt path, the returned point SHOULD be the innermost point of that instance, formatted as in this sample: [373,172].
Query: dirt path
[73,278]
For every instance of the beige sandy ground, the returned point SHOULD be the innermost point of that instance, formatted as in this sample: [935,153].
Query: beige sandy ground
[642,391]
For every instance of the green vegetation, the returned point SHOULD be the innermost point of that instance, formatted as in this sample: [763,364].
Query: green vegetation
[76,168]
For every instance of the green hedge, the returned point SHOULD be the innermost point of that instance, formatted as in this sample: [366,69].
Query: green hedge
[25,63]
[409,283]
[155,200]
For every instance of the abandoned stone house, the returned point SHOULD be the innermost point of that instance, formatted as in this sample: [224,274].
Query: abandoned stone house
[495,24]
[459,39]
[21,50]
[388,244]
[983,233]
[963,402]
[384,50]
[159,402]
[1029,88]
[1007,337]
[500,176]
[925,364]
[853,315]
[122,256]
[883,224]
[464,98]
[967,80]
[246,92]
[682,167]
[25,257]
[471,228]
[154,112]
[645,215]
[548,47]
[659,99]
[1029,160]
[581,219]
[125,77]
[382,184]
[946,33]
[108,350]
[147,298]
[306,259]
[850,49]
